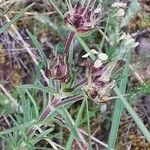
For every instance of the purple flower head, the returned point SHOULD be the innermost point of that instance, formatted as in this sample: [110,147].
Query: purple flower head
[82,18]
[58,69]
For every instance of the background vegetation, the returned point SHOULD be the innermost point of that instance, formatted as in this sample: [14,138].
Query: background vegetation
[46,97]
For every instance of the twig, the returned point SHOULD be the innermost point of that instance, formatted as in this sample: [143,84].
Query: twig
[95,139]
[138,33]
[136,75]
[33,13]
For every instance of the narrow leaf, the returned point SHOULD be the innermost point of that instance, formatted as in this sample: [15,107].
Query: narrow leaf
[133,8]
[39,48]
[77,122]
[19,127]
[69,122]
[118,105]
[7,25]
[133,114]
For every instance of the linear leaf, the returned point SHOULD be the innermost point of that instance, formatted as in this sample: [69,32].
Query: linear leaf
[118,105]
[133,114]
[7,25]
[39,48]
[69,122]
[133,8]
[77,122]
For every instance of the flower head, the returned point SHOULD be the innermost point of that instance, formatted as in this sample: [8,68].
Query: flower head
[100,83]
[82,19]
[58,69]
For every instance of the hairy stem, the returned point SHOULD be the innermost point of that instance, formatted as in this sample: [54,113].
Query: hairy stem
[50,108]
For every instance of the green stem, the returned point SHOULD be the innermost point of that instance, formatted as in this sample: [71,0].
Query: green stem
[88,124]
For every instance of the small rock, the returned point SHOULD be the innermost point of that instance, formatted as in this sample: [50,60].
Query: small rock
[144,46]
[146,102]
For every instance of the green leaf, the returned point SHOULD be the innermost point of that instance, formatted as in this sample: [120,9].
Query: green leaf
[88,123]
[41,136]
[77,122]
[118,105]
[7,25]
[34,104]
[85,47]
[55,7]
[69,122]
[133,114]
[39,48]
[19,127]
[70,59]
[133,9]
[36,87]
